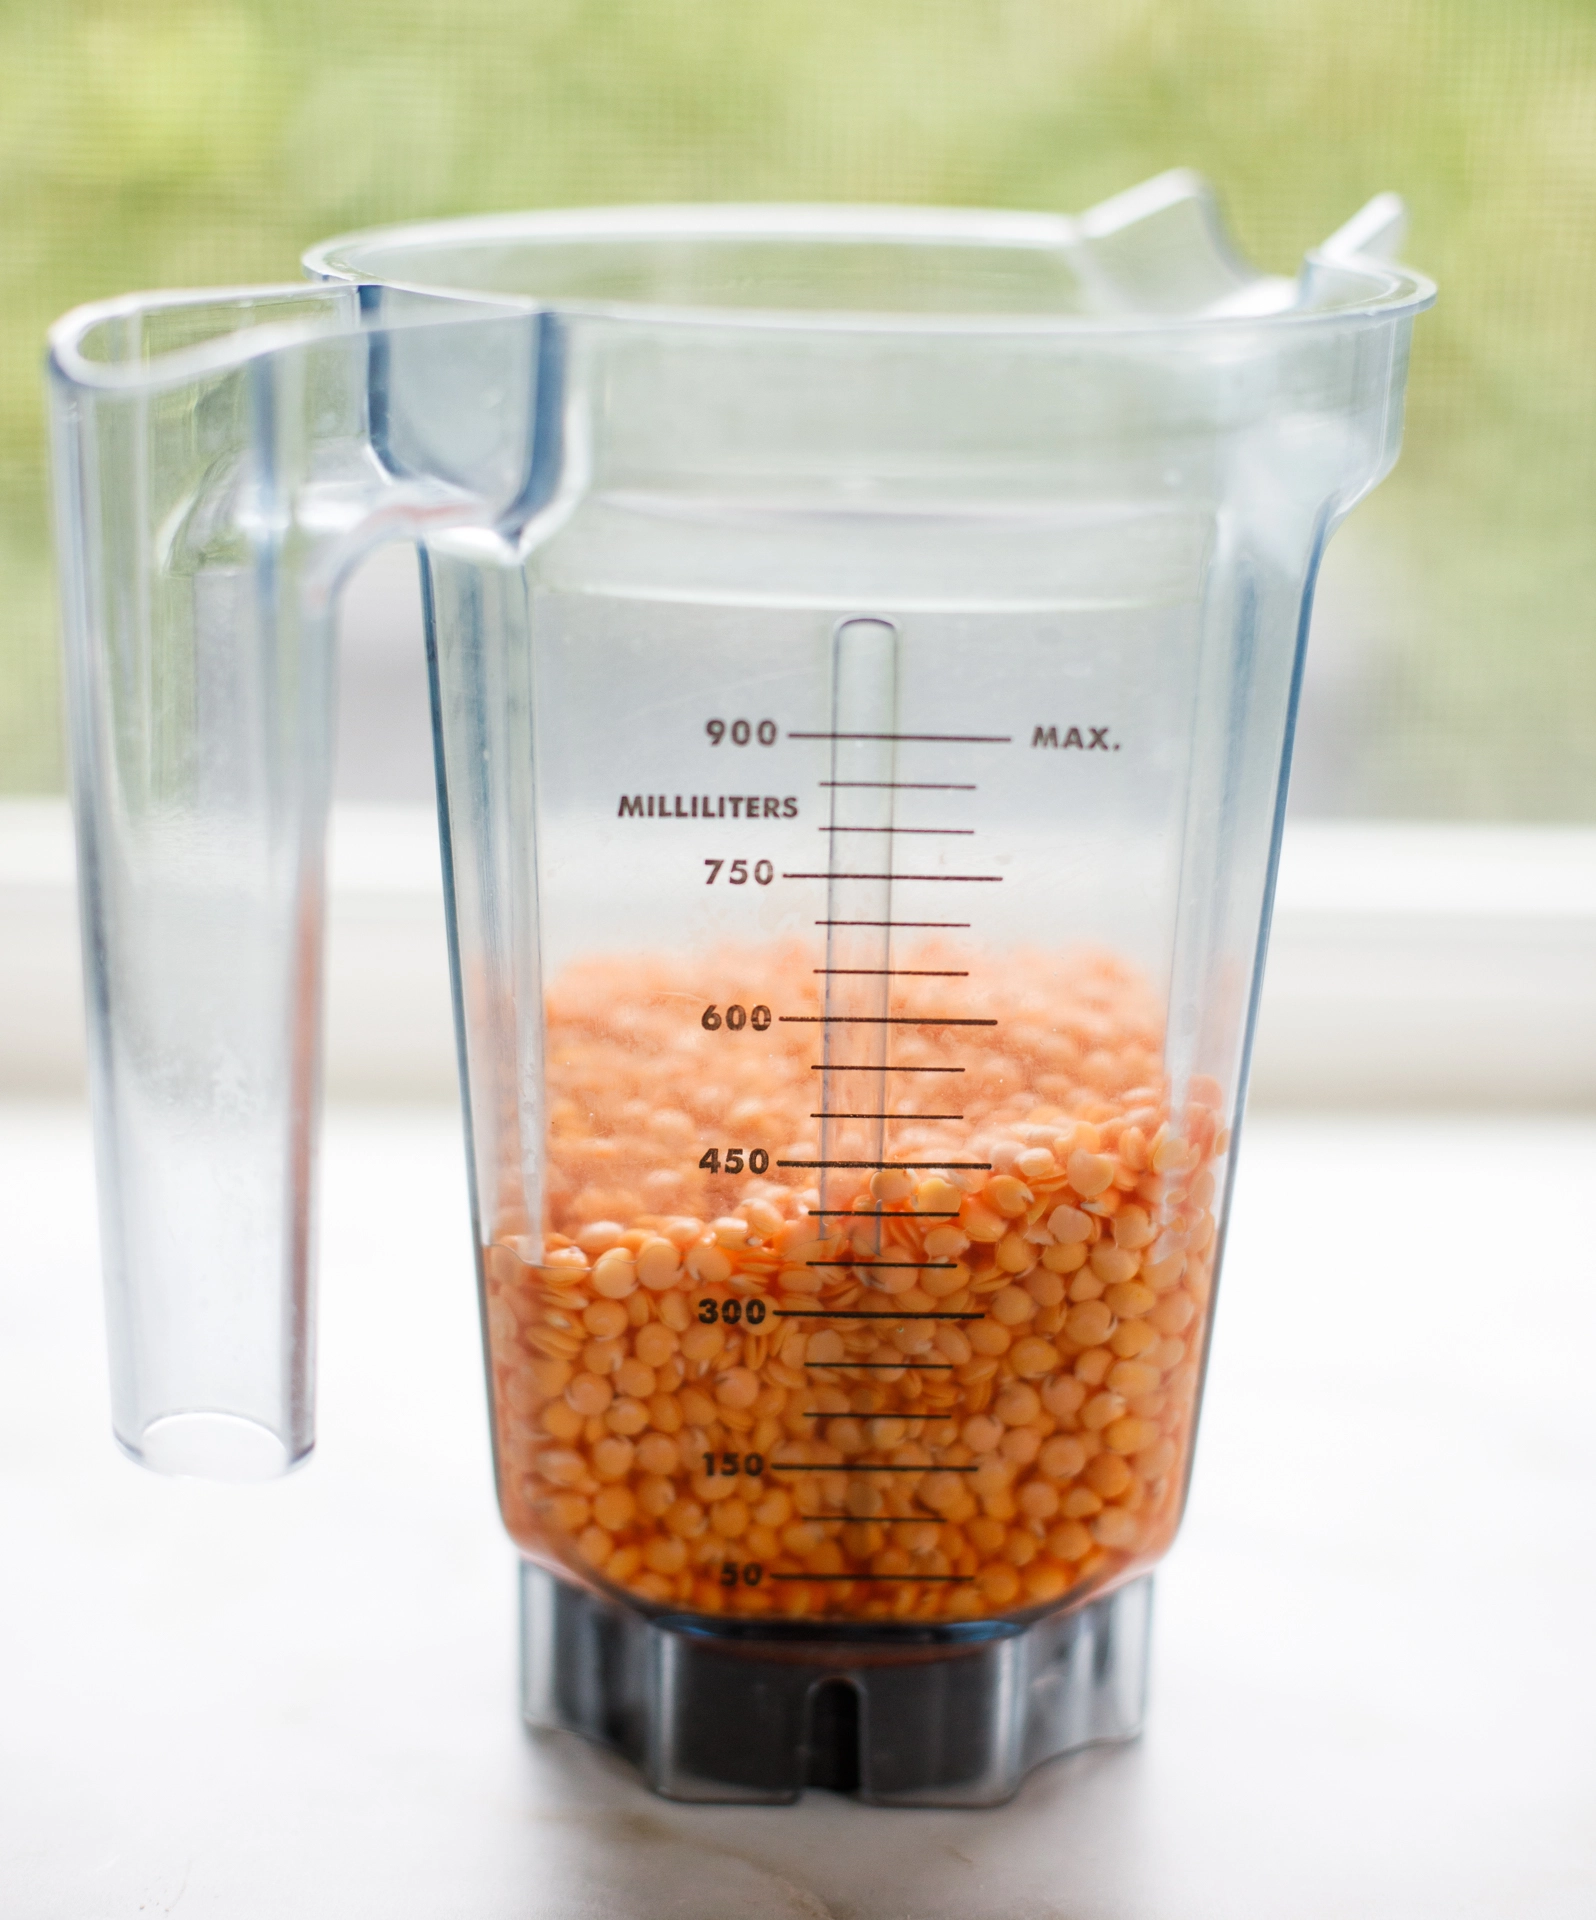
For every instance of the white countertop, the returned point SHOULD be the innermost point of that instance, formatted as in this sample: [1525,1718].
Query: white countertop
[1374,1687]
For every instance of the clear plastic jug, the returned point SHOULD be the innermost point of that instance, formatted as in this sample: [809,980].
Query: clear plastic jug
[864,647]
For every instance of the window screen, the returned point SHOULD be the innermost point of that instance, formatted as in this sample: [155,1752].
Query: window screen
[1452,673]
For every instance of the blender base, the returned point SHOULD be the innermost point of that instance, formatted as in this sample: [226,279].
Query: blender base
[899,1715]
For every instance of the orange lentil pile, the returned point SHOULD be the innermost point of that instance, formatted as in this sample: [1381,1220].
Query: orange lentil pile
[961,1391]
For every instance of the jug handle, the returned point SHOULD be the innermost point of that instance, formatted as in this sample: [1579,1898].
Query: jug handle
[216,479]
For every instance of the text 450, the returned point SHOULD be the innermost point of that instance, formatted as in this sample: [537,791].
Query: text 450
[734,1160]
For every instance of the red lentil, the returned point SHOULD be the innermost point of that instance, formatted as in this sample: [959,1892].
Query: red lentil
[674,1421]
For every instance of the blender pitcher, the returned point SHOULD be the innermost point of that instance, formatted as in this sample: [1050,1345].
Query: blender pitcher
[864,647]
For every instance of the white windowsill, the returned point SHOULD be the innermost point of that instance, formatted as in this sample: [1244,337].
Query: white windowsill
[1409,965]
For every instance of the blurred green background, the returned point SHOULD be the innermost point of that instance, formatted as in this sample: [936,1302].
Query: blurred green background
[149,143]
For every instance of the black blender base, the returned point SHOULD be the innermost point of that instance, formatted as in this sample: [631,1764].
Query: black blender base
[757,1710]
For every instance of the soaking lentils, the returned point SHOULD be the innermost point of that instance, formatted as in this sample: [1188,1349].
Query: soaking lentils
[959,1382]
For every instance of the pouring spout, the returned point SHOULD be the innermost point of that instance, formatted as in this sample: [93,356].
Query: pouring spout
[1377,231]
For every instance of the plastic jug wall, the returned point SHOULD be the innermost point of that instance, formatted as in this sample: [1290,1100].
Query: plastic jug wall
[855,1259]
[857,1006]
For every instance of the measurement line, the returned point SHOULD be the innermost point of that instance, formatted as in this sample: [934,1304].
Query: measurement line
[878,1020]
[930,1266]
[826,1466]
[885,1579]
[951,925]
[950,877]
[825,1413]
[911,786]
[903,973]
[859,1313]
[874,1213]
[966,833]
[908,1166]
[894,1366]
[886,1116]
[821,1067]
[946,739]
